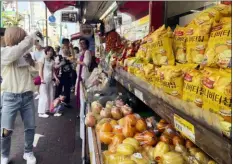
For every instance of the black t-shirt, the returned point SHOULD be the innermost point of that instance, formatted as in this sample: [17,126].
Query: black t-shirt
[66,69]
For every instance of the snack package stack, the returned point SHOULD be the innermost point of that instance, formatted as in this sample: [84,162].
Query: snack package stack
[161,47]
[149,72]
[192,92]
[217,98]
[197,40]
[218,53]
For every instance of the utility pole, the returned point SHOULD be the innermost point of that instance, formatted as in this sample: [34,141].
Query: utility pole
[46,24]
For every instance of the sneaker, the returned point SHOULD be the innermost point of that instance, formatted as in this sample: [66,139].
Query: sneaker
[37,97]
[4,160]
[57,114]
[30,158]
[43,115]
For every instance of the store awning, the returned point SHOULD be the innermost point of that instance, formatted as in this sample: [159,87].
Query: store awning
[135,9]
[76,36]
[53,6]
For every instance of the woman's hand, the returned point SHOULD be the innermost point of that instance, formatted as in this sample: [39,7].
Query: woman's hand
[42,81]
[57,81]
[29,60]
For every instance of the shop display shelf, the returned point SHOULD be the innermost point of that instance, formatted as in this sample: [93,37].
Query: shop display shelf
[94,144]
[206,138]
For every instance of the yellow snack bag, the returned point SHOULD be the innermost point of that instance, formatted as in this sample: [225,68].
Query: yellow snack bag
[218,52]
[179,46]
[172,80]
[138,68]
[213,14]
[157,82]
[192,91]
[196,43]
[217,93]
[142,51]
[149,73]
[162,52]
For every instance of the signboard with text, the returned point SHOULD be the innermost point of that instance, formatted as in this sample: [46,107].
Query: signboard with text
[69,16]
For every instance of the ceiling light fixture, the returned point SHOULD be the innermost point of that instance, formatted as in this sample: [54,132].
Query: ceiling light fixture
[112,7]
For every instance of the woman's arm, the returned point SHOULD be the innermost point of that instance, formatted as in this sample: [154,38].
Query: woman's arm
[11,54]
[41,71]
[55,76]
[87,59]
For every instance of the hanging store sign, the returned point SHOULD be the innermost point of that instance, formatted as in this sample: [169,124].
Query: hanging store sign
[86,30]
[109,23]
[69,16]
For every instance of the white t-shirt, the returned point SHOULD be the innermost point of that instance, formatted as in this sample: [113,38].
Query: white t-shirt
[37,55]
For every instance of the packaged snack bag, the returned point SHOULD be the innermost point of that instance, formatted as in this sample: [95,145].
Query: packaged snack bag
[217,92]
[218,52]
[192,91]
[149,73]
[157,82]
[142,51]
[213,14]
[172,80]
[179,44]
[162,52]
[196,43]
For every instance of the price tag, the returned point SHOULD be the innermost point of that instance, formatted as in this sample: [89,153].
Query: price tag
[130,88]
[122,82]
[139,94]
[184,127]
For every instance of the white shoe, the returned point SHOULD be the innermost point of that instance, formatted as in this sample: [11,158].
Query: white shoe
[57,114]
[43,115]
[30,158]
[4,160]
[37,97]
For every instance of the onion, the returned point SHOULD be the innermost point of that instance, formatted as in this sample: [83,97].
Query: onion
[170,131]
[141,125]
[164,138]
[109,104]
[119,103]
[177,140]
[161,126]
[116,113]
[106,127]
[105,113]
[96,107]
[126,110]
[189,144]
[131,119]
[90,120]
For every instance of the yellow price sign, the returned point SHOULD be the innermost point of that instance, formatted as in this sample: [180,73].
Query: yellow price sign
[184,127]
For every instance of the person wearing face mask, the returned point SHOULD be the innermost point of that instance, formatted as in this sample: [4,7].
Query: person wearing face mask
[47,74]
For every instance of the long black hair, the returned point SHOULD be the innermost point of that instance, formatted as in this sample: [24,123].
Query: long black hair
[86,42]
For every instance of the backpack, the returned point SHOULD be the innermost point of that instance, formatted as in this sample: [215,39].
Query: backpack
[93,64]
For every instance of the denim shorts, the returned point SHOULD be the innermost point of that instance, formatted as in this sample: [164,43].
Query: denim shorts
[11,104]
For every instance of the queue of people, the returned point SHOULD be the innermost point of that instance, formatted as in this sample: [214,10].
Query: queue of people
[59,72]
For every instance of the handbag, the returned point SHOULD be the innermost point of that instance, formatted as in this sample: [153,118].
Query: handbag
[37,79]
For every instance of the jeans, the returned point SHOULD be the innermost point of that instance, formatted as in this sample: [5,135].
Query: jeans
[11,104]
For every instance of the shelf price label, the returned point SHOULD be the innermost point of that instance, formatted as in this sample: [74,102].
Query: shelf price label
[139,94]
[130,88]
[184,127]
[122,82]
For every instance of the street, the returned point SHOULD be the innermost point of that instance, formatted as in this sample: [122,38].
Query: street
[56,140]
